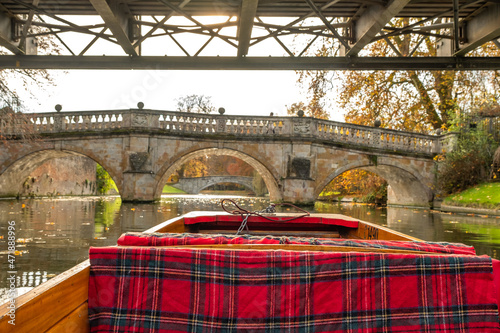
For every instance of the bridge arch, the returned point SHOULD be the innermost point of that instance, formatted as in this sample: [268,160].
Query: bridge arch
[267,176]
[406,186]
[13,175]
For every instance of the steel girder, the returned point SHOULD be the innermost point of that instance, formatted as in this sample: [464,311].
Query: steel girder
[240,34]
[250,63]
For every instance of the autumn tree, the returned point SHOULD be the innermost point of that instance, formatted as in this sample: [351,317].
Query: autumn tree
[224,165]
[218,165]
[372,188]
[195,167]
[19,85]
[195,103]
[420,101]
[316,85]
[13,81]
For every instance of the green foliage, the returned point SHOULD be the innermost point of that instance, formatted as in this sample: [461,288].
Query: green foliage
[106,212]
[468,164]
[172,190]
[377,195]
[486,195]
[104,181]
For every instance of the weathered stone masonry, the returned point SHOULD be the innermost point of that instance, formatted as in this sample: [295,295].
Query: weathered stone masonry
[141,148]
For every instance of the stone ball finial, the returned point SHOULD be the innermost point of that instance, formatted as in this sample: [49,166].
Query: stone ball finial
[58,107]
[140,105]
[222,111]
[300,113]
[377,123]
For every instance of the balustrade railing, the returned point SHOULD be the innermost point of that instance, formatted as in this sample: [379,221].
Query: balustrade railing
[206,124]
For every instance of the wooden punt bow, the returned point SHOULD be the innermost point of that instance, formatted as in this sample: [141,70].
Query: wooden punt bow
[61,303]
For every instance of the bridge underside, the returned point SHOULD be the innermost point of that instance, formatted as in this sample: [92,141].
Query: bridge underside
[246,34]
[404,188]
[198,184]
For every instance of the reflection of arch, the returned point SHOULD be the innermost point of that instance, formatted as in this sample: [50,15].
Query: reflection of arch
[269,180]
[13,176]
[405,186]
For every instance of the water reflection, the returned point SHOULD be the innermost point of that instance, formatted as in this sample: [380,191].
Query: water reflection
[53,235]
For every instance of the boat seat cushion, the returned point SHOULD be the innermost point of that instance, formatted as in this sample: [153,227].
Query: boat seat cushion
[161,289]
[170,239]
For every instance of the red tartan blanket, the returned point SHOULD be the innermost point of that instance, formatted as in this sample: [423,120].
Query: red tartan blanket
[162,239]
[147,289]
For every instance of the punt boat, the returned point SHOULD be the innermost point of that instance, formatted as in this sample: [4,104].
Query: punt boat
[280,272]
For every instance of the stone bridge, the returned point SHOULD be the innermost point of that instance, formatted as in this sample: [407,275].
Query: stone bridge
[296,156]
[197,184]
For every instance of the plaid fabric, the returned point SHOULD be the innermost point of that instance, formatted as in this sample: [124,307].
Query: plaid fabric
[162,239]
[147,289]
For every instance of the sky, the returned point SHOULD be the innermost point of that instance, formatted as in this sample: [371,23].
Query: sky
[239,92]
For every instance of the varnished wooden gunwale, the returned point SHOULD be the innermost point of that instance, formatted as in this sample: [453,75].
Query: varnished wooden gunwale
[76,322]
[43,307]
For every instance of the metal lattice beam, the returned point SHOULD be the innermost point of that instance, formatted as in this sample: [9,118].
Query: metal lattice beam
[483,28]
[146,28]
[5,42]
[372,21]
[109,17]
[250,63]
[248,11]
[27,25]
[6,32]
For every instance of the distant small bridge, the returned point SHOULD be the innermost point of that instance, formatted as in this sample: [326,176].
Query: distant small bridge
[197,184]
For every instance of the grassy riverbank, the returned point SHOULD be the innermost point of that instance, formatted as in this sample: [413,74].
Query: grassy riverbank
[485,196]
[167,189]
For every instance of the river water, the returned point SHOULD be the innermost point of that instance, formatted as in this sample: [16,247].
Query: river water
[53,235]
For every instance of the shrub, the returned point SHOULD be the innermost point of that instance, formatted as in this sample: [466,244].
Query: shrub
[104,181]
[378,195]
[468,164]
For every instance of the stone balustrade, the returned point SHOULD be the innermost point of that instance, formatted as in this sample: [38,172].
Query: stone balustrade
[183,123]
